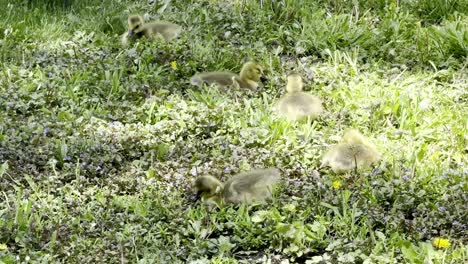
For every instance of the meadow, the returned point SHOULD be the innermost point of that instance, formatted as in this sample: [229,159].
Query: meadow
[99,144]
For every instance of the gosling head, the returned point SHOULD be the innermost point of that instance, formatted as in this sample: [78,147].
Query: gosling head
[135,25]
[353,136]
[207,186]
[294,84]
[252,71]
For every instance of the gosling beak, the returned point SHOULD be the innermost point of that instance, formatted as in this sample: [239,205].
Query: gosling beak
[263,78]
[130,33]
[197,195]
[193,197]
[323,166]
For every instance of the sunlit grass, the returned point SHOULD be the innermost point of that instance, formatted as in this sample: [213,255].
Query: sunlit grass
[99,144]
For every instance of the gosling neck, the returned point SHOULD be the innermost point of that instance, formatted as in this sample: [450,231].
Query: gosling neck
[251,84]
[294,88]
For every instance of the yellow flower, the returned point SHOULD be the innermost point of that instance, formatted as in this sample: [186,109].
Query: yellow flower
[3,247]
[174,65]
[441,242]
[336,185]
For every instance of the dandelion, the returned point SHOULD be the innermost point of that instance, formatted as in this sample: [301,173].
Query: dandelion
[3,247]
[440,243]
[174,65]
[336,185]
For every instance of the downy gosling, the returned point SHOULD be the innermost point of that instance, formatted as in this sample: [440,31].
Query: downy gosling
[353,152]
[247,187]
[249,77]
[137,28]
[296,104]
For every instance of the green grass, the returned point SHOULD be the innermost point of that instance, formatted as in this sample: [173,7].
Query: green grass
[99,144]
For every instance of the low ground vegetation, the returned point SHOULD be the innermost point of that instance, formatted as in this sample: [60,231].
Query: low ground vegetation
[99,143]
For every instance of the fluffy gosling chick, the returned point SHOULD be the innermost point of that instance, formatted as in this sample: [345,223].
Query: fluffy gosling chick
[251,186]
[207,186]
[248,187]
[210,190]
[137,28]
[353,152]
[296,104]
[249,77]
